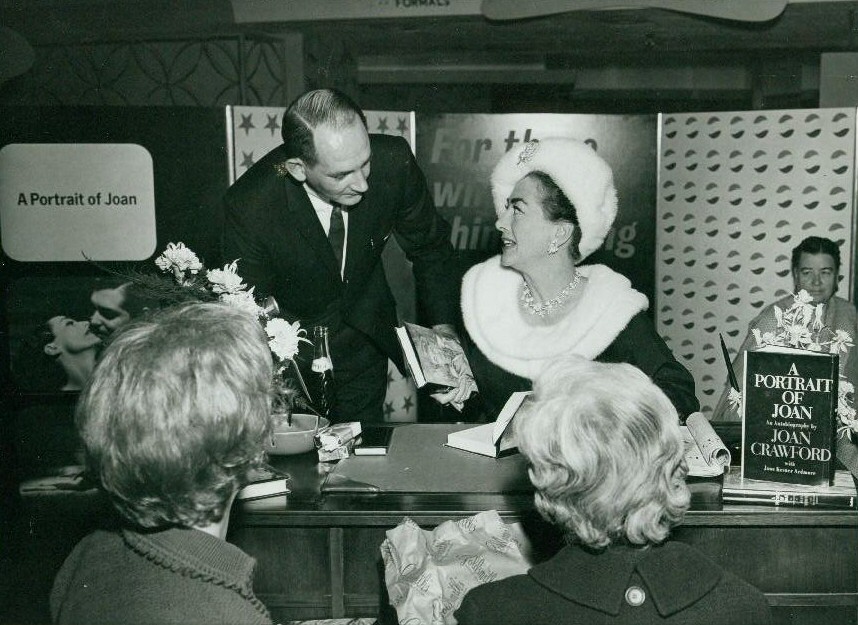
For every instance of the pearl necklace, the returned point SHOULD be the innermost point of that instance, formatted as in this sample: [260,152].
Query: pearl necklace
[550,306]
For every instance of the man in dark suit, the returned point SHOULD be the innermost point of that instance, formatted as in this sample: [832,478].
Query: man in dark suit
[308,224]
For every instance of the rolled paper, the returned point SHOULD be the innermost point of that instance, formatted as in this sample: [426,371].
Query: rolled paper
[711,446]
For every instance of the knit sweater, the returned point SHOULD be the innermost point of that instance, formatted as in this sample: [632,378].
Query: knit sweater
[173,576]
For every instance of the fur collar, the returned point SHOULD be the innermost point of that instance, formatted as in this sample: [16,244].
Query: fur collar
[506,335]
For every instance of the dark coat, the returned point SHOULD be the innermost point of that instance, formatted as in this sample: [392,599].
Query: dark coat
[272,228]
[638,344]
[673,582]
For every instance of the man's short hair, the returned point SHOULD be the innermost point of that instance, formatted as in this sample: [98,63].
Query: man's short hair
[175,415]
[606,453]
[135,301]
[816,245]
[310,110]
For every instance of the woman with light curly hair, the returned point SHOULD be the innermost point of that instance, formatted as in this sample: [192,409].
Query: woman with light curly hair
[607,463]
[173,420]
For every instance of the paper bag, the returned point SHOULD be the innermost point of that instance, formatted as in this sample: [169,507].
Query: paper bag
[427,573]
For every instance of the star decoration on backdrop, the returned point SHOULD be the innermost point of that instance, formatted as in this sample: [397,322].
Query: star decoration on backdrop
[272,124]
[246,123]
[402,125]
[246,160]
[407,404]
[382,125]
[388,410]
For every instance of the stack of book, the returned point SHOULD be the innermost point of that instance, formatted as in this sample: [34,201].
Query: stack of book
[789,405]
[265,481]
[841,494]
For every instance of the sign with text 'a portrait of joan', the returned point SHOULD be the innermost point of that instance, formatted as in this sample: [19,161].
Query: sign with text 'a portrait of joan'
[57,201]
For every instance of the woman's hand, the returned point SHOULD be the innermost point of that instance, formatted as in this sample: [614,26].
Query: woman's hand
[456,396]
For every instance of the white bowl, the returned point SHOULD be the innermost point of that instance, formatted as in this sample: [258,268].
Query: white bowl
[297,438]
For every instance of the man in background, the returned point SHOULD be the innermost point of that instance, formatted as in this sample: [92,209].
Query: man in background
[115,305]
[308,224]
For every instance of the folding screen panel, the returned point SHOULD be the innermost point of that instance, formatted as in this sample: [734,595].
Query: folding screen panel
[736,192]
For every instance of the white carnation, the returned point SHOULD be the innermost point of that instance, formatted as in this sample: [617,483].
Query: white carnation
[283,337]
[178,256]
[243,300]
[178,259]
[226,280]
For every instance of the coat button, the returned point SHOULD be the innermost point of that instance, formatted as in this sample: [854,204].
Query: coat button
[635,596]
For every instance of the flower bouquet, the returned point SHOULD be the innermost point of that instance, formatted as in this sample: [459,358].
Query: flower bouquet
[802,326]
[190,280]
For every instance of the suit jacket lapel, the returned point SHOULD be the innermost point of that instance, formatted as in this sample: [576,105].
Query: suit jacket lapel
[358,235]
[301,217]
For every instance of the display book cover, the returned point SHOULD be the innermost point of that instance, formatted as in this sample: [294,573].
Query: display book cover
[841,494]
[265,481]
[494,439]
[433,359]
[789,408]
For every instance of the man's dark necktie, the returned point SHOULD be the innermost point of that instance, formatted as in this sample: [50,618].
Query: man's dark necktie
[337,234]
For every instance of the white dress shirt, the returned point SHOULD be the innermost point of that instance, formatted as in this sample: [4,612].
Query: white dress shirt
[323,212]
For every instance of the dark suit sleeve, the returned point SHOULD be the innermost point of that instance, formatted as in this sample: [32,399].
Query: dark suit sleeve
[425,238]
[241,240]
[640,345]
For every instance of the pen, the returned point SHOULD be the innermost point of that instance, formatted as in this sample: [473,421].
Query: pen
[731,375]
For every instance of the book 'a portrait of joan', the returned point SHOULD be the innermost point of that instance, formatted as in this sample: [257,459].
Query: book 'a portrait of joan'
[442,357]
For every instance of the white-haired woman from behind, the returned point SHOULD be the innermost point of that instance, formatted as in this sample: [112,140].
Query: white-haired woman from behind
[607,463]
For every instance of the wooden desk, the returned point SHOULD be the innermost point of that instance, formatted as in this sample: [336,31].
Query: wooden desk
[318,555]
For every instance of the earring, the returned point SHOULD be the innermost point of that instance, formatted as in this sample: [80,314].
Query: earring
[552,247]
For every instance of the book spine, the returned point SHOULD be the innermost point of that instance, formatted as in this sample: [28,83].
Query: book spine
[412,361]
[835,375]
[799,500]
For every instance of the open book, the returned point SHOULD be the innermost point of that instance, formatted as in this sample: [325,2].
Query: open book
[705,452]
[434,360]
[492,439]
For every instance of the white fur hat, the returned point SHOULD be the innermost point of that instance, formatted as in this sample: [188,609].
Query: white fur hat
[583,176]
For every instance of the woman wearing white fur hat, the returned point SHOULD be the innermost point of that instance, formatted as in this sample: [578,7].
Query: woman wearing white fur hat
[555,201]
